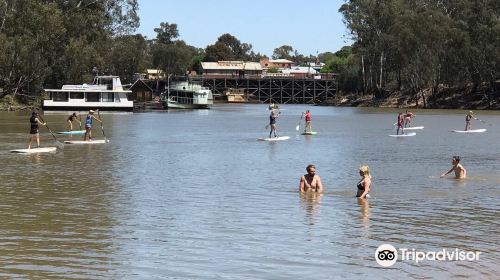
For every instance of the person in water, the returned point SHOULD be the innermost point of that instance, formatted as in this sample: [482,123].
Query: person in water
[460,172]
[468,119]
[70,121]
[365,183]
[310,182]
[272,122]
[88,125]
[34,129]
[409,116]
[400,124]
[307,116]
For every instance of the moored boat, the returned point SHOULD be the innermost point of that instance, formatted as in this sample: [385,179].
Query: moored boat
[106,93]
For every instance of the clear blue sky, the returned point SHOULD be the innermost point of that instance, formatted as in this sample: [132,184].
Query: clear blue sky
[308,26]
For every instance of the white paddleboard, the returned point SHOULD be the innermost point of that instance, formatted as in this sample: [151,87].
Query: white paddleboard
[71,132]
[404,135]
[87,142]
[35,150]
[281,138]
[414,128]
[309,133]
[471,131]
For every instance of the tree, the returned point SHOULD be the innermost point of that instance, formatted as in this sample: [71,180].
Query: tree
[228,47]
[284,52]
[166,33]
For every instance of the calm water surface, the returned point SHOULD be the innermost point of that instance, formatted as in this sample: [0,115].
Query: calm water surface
[193,195]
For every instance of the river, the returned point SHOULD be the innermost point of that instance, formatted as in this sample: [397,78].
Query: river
[194,195]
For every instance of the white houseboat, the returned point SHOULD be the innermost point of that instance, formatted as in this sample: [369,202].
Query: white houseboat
[105,93]
[187,95]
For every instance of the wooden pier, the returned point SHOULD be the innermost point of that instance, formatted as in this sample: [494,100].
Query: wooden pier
[281,90]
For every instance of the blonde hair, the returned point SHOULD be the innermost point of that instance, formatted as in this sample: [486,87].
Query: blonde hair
[365,170]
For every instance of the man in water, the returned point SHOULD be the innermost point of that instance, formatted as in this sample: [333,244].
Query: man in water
[307,116]
[468,118]
[400,124]
[409,116]
[460,172]
[70,121]
[272,122]
[88,125]
[310,182]
[34,122]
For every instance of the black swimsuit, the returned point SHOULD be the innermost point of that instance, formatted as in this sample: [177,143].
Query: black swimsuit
[34,125]
[361,190]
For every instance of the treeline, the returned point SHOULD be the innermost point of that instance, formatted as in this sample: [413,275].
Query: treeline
[410,45]
[398,45]
[45,44]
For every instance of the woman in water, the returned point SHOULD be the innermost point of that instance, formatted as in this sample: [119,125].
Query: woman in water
[365,183]
[310,182]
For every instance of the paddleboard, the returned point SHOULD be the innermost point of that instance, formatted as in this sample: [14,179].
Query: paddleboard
[414,128]
[471,131]
[281,138]
[404,135]
[35,150]
[309,133]
[87,142]
[71,132]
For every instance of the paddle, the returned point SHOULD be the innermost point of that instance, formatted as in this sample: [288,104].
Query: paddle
[481,121]
[102,127]
[59,144]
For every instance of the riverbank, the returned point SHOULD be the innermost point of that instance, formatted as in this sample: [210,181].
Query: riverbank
[8,103]
[444,98]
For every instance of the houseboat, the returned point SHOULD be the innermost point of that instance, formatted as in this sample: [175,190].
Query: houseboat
[187,95]
[105,93]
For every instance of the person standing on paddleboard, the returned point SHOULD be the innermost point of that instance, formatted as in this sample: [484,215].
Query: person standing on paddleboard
[409,116]
[88,125]
[307,116]
[468,119]
[460,172]
[400,124]
[365,183]
[70,121]
[310,182]
[272,122]
[34,129]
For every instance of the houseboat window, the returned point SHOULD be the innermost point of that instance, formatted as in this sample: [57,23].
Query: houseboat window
[76,95]
[93,97]
[108,97]
[47,96]
[60,96]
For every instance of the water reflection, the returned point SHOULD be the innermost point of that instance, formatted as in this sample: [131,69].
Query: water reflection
[364,204]
[310,202]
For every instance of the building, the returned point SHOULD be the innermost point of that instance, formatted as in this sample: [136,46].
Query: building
[155,74]
[267,63]
[232,69]
[141,91]
[301,72]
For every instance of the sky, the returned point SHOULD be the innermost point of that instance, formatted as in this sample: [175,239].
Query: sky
[308,26]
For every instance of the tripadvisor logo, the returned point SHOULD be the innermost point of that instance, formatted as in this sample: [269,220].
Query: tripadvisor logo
[386,255]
